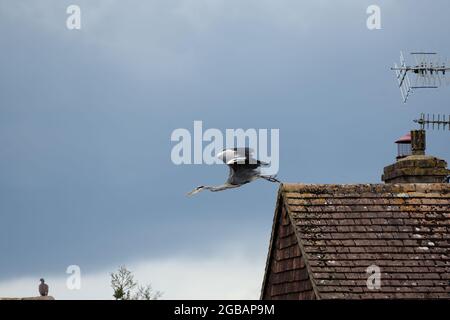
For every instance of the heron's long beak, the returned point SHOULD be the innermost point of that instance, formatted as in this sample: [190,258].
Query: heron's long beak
[196,190]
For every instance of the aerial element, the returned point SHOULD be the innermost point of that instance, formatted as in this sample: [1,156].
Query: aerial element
[243,169]
[433,121]
[430,74]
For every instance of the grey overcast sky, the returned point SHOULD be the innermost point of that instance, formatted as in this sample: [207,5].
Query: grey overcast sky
[86,116]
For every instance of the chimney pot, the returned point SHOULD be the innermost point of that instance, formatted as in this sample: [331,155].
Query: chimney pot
[418,142]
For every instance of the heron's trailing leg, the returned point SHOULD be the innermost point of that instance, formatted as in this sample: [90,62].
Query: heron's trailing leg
[271,178]
[213,188]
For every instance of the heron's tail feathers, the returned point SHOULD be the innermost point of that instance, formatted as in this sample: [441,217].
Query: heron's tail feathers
[271,178]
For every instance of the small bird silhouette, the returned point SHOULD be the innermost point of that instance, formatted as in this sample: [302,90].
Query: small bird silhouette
[447,179]
[243,169]
[43,288]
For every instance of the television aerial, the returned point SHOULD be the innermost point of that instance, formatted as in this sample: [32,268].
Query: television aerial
[433,121]
[430,72]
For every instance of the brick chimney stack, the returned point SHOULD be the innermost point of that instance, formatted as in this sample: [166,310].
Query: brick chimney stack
[415,167]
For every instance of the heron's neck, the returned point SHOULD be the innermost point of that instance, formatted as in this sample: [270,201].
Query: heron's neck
[213,188]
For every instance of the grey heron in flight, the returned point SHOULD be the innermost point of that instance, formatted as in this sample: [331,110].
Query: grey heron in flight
[447,179]
[243,169]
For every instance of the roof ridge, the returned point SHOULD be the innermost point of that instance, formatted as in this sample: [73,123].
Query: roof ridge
[367,187]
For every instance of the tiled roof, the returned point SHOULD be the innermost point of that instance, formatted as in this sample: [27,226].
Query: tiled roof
[343,229]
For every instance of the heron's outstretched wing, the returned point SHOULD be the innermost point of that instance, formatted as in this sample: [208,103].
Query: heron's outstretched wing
[240,156]
[232,155]
[243,152]
[248,162]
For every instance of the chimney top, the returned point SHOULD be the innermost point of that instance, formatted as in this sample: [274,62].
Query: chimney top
[412,165]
